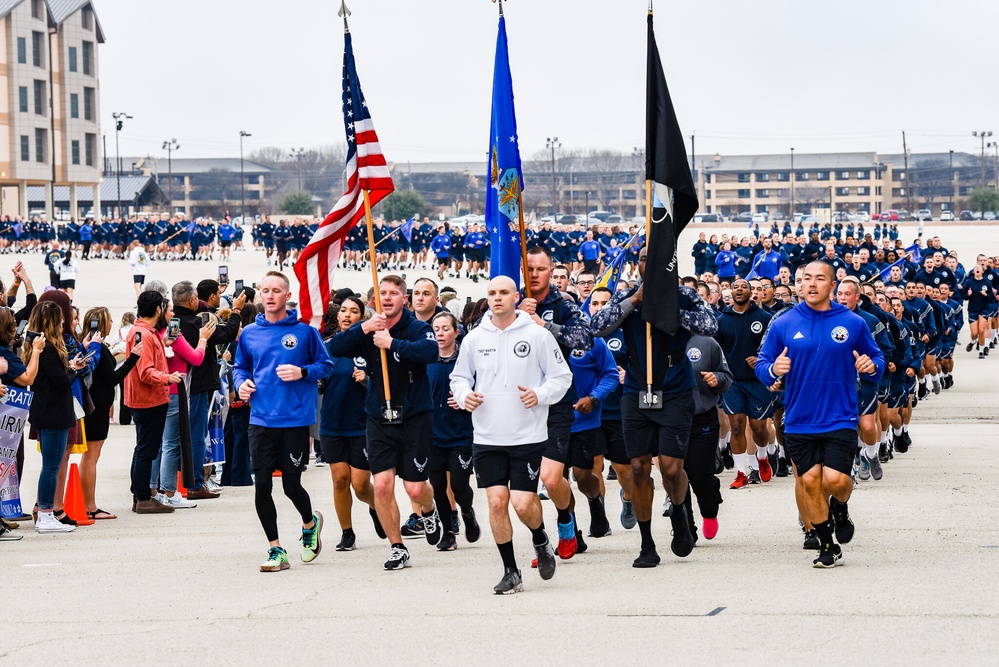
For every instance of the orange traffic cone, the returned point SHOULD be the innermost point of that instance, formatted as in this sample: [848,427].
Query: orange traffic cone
[74,506]
[180,484]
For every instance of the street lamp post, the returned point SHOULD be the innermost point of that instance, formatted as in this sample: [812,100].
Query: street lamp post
[170,147]
[951,206]
[242,193]
[298,154]
[792,183]
[982,134]
[119,120]
[586,212]
[551,144]
[995,161]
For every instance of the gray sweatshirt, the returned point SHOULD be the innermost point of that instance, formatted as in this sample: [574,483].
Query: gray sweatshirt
[706,355]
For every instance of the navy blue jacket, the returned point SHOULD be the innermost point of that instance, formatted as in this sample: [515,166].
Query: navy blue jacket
[342,411]
[452,428]
[740,335]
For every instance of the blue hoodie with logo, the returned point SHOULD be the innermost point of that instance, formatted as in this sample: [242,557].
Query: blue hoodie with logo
[263,346]
[595,374]
[821,387]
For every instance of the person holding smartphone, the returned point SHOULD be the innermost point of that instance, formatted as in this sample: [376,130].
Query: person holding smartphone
[18,372]
[102,389]
[51,412]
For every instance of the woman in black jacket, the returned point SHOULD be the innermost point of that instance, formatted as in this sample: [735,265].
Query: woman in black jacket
[103,382]
[51,412]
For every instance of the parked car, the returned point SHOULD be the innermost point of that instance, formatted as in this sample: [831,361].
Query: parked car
[759,219]
[708,217]
[745,216]
[924,214]
[946,216]
[841,216]
[966,216]
[863,216]
[989,215]
[613,219]
[601,216]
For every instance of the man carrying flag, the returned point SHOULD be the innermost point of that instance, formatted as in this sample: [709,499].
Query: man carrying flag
[657,406]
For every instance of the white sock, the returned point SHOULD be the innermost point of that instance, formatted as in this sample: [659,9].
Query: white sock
[740,462]
[761,453]
[728,437]
[780,451]
[721,444]
[896,431]
[905,428]
[772,448]
[884,436]
[871,452]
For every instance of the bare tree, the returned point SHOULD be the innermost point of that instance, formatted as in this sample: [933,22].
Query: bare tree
[271,156]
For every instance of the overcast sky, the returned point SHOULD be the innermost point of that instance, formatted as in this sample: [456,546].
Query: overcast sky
[746,77]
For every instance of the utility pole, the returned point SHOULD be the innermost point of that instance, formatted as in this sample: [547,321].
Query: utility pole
[551,144]
[792,183]
[170,147]
[298,154]
[995,161]
[693,162]
[119,120]
[951,207]
[242,193]
[982,134]
[908,176]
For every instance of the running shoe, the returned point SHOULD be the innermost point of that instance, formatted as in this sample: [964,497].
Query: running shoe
[628,518]
[567,544]
[348,541]
[844,525]
[710,528]
[580,544]
[830,556]
[754,476]
[447,543]
[727,457]
[413,527]
[922,391]
[719,462]
[936,387]
[455,523]
[811,541]
[510,583]
[611,474]
[543,492]
[176,501]
[6,535]
[883,453]
[783,469]
[876,470]
[864,471]
[379,531]
[545,560]
[772,459]
[647,558]
[900,443]
[472,529]
[986,350]
[766,472]
[432,526]
[981,355]
[599,525]
[908,440]
[683,539]
[399,558]
[312,542]
[971,345]
[667,505]
[740,481]
[277,560]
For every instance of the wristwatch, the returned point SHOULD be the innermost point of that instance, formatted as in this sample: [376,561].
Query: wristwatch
[305,372]
[594,400]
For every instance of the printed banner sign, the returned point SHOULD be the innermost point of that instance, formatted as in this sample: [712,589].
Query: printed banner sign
[13,416]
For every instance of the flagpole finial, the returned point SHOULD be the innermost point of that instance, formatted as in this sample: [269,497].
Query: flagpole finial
[344,12]
[650,6]
[500,3]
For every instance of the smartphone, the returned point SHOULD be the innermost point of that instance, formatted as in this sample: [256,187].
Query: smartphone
[239,288]
[94,324]
[223,275]
[173,328]
[30,336]
[138,337]
[87,357]
[206,317]
[21,327]
[468,299]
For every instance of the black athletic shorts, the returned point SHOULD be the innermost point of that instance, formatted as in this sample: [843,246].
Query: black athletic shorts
[284,449]
[516,466]
[225,244]
[139,280]
[664,432]
[591,266]
[404,447]
[835,450]
[345,449]
[560,418]
[610,443]
[582,445]
[455,460]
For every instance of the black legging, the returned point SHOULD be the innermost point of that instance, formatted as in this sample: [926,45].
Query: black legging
[700,463]
[263,485]
[461,489]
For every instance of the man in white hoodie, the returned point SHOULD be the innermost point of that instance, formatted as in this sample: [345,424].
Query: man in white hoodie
[508,372]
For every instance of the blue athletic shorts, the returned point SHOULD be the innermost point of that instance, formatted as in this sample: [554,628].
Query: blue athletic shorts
[867,398]
[749,398]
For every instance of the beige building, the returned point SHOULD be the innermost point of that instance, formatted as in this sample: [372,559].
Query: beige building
[50,100]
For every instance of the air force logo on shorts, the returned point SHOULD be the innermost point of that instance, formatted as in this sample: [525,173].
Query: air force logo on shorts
[693,354]
[840,334]
[756,327]
[522,349]
[289,342]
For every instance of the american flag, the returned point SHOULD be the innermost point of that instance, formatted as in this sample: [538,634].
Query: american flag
[366,170]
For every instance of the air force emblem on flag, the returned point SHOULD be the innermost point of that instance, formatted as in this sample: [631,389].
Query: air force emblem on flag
[508,189]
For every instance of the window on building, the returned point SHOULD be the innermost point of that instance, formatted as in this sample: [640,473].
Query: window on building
[707,195]
[863,175]
[36,9]
[801,176]
[744,194]
[22,50]
[822,175]
[89,99]
[22,98]
[72,59]
[74,105]
[87,15]
[762,194]
[842,192]
[39,97]
[744,178]
[762,177]
[863,192]
[76,151]
[90,149]
[964,190]
[253,179]
[843,176]
[783,176]
[38,49]
[25,148]
[253,194]
[707,178]
[88,58]
[41,144]
[898,176]
[877,191]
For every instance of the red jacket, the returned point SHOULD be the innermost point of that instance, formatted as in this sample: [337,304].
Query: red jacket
[149,385]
